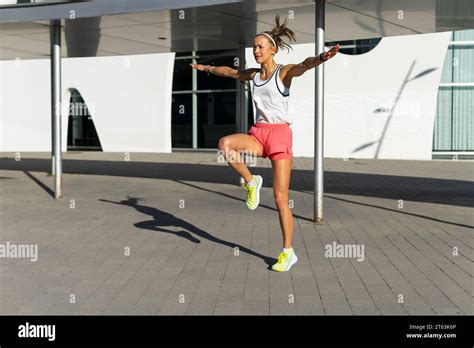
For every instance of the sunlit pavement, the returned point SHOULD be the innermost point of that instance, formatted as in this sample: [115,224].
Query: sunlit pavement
[170,234]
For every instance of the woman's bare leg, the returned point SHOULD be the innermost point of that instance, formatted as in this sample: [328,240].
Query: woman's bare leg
[230,145]
[281,185]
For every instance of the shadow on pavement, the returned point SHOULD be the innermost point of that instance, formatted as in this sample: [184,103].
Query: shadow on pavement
[162,218]
[417,189]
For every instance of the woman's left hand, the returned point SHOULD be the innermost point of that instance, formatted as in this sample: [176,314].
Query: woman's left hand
[331,53]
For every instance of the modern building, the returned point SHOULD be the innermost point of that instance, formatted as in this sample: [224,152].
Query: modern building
[402,86]
[454,121]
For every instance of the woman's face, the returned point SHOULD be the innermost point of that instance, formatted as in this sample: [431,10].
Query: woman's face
[262,49]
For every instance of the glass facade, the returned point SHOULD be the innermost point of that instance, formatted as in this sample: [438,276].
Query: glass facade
[81,133]
[209,99]
[454,122]
[355,47]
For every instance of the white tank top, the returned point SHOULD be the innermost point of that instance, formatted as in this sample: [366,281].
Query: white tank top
[270,98]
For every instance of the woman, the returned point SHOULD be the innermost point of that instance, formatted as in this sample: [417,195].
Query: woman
[270,137]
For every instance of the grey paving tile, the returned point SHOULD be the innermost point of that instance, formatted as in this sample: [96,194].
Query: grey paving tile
[189,250]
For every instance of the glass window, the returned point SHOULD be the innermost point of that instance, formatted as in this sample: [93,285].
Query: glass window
[454,122]
[81,134]
[463,118]
[463,63]
[443,122]
[447,73]
[354,47]
[210,81]
[182,75]
[464,35]
[181,120]
[216,111]
[216,117]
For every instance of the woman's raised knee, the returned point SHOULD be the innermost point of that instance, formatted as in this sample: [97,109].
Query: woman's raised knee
[224,143]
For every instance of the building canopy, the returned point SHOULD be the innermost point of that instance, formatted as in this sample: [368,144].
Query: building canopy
[125,27]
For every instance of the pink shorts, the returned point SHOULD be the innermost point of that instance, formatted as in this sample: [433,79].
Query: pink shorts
[276,140]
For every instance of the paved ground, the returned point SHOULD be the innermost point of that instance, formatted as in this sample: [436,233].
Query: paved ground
[156,235]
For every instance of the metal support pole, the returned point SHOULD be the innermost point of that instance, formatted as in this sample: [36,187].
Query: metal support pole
[55,31]
[319,116]
[243,116]
[238,111]
[195,104]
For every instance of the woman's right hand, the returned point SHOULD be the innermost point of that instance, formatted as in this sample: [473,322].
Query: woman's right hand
[200,67]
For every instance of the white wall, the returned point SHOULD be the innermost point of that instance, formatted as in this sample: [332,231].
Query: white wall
[357,86]
[129,98]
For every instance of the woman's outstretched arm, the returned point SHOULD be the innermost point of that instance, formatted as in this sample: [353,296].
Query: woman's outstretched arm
[294,70]
[225,71]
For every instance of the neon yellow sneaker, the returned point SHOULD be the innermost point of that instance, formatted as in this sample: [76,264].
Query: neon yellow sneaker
[253,192]
[285,261]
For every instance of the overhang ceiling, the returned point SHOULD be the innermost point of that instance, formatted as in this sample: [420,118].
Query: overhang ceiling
[123,27]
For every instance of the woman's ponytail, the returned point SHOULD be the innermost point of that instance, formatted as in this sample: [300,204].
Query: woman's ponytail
[279,32]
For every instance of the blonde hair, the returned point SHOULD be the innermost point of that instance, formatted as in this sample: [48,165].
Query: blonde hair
[278,32]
